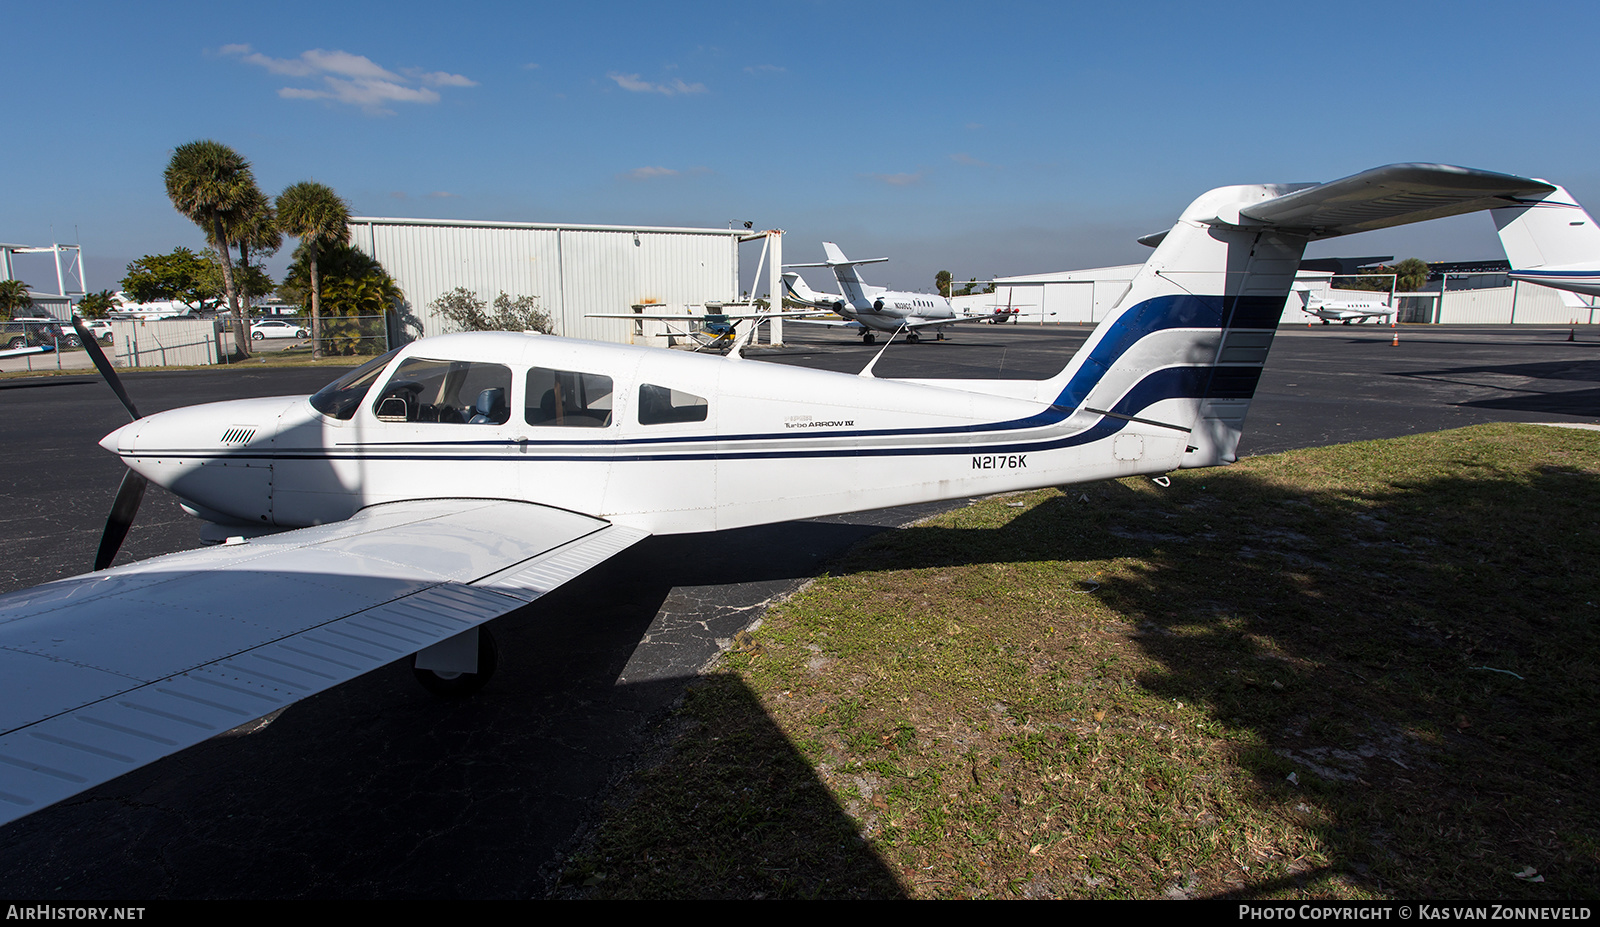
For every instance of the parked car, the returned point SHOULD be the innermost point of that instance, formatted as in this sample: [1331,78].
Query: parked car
[275,328]
[33,332]
[100,329]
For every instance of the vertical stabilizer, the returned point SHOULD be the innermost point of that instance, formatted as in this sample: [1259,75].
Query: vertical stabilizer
[1186,345]
[1551,240]
[844,271]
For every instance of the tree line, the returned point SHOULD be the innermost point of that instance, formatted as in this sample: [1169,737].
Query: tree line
[214,187]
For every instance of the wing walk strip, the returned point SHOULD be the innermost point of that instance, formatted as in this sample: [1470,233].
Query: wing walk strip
[78,749]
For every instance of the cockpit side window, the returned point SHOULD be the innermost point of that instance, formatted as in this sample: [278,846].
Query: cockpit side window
[662,405]
[567,398]
[447,392]
[341,398]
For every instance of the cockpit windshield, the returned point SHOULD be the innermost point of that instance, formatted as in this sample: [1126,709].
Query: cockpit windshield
[341,398]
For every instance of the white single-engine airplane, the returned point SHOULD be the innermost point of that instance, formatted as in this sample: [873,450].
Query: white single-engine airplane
[461,477]
[1551,240]
[871,309]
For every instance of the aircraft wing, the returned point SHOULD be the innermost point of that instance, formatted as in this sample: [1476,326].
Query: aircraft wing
[826,322]
[929,323]
[692,316]
[19,352]
[110,671]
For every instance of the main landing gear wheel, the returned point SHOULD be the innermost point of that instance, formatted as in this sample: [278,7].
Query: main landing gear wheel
[868,338]
[913,337]
[461,685]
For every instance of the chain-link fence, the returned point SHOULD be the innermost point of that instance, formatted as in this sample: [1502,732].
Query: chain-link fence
[353,335]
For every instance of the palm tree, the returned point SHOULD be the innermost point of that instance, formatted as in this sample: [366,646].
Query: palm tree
[253,228]
[313,213]
[211,184]
[13,296]
[98,305]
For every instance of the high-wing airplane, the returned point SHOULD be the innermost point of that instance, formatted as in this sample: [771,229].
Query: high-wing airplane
[1551,240]
[461,477]
[1346,310]
[872,309]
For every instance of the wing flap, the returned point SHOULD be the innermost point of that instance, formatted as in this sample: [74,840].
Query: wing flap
[1392,195]
[197,668]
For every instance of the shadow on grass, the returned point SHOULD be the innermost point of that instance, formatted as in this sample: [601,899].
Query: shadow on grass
[1418,652]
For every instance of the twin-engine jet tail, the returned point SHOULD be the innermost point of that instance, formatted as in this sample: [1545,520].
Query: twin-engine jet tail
[1185,348]
[796,290]
[1551,240]
[855,289]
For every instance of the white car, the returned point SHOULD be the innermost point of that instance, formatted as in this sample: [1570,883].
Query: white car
[275,328]
[100,329]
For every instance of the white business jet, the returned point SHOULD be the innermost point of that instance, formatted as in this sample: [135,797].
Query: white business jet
[871,309]
[1346,310]
[1551,240]
[461,477]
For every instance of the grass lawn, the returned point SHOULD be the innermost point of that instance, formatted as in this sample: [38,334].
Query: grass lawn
[1364,671]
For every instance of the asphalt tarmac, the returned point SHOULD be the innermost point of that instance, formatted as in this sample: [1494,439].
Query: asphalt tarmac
[378,790]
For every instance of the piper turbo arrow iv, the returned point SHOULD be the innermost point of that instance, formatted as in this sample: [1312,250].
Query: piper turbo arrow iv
[461,477]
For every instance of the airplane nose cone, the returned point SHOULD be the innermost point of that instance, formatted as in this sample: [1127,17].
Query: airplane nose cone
[121,438]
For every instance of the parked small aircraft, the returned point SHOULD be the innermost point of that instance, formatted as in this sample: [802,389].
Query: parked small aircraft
[996,314]
[461,477]
[1551,240]
[871,309]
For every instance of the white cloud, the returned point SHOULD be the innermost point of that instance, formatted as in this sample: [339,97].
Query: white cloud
[443,79]
[759,69]
[962,157]
[442,195]
[650,173]
[352,79]
[672,88]
[342,62]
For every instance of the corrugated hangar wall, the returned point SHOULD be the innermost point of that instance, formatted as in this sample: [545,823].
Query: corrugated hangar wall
[572,270]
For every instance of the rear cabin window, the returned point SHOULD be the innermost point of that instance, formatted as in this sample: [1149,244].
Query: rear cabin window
[663,405]
[568,399]
[446,392]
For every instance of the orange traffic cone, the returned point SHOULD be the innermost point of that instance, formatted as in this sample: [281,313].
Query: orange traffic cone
[1396,342]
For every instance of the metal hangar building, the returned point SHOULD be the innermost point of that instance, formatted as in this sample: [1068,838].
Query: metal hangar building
[572,270]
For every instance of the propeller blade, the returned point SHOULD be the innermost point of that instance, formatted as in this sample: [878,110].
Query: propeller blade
[129,495]
[104,366]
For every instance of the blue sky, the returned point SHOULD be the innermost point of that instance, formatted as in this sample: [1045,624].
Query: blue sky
[1021,138]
